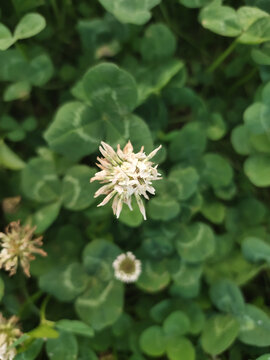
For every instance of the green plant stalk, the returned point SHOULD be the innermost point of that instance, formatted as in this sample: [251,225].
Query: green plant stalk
[29,299]
[222,57]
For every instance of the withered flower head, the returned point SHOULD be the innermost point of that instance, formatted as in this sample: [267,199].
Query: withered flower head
[9,332]
[10,205]
[125,174]
[19,247]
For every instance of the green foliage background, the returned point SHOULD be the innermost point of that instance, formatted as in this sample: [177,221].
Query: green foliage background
[192,75]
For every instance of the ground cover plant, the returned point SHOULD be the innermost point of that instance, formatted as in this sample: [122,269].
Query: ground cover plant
[175,263]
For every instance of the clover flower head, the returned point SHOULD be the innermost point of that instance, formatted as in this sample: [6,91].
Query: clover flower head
[19,247]
[9,332]
[127,268]
[125,174]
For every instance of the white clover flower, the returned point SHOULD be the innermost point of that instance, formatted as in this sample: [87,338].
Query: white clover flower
[18,246]
[127,268]
[125,174]
[8,334]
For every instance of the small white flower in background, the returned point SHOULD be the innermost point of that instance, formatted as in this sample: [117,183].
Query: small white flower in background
[18,247]
[125,174]
[127,268]
[8,334]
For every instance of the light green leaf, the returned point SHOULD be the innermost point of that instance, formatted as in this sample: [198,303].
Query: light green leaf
[122,325]
[158,43]
[180,348]
[45,216]
[216,128]
[40,181]
[157,246]
[6,39]
[186,180]
[78,193]
[98,257]
[65,283]
[217,171]
[76,327]
[75,130]
[264,357]
[233,267]
[131,218]
[261,142]
[261,55]
[214,211]
[194,3]
[152,341]
[73,246]
[161,310]
[256,118]
[29,124]
[154,276]
[247,15]
[176,324]
[138,133]
[44,331]
[189,143]
[19,90]
[196,242]
[8,159]
[152,79]
[135,12]
[222,20]
[36,70]
[219,332]
[30,25]
[254,327]
[78,129]
[109,88]
[256,250]
[186,280]
[40,70]
[240,140]
[196,316]
[163,208]
[257,33]
[257,169]
[13,66]
[32,351]
[227,297]
[102,304]
[65,347]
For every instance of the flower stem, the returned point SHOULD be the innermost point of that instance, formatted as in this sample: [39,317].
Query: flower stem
[43,308]
[222,57]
